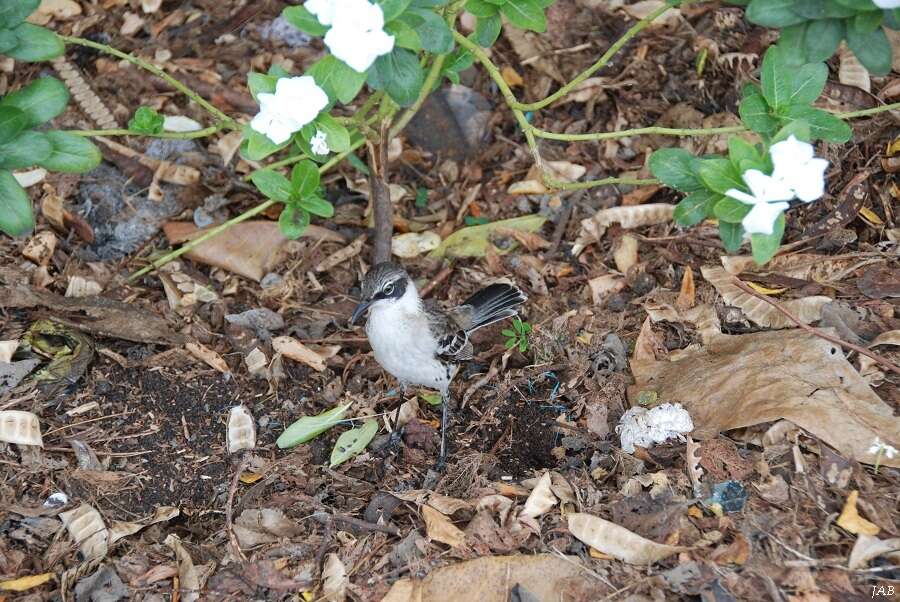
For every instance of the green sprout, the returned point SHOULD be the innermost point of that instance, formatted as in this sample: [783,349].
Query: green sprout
[517,336]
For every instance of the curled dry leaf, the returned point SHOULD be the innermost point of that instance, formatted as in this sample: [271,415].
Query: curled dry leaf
[439,528]
[334,579]
[82,287]
[241,433]
[851,72]
[806,309]
[641,9]
[729,382]
[341,255]
[852,521]
[207,356]
[413,244]
[31,177]
[868,547]
[22,428]
[626,253]
[40,247]
[121,529]
[541,499]
[564,171]
[297,351]
[7,349]
[603,286]
[473,241]
[187,573]
[88,531]
[593,228]
[618,542]
[687,295]
[256,362]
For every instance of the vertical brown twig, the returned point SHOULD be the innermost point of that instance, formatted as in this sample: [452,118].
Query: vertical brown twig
[383,214]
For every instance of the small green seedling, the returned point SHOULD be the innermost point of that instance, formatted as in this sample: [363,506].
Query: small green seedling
[517,336]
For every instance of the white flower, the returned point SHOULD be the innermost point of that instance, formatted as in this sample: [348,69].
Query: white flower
[887,3]
[319,144]
[797,173]
[640,426]
[796,166]
[878,447]
[296,102]
[357,34]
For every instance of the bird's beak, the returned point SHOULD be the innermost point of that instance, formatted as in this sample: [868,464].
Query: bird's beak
[359,311]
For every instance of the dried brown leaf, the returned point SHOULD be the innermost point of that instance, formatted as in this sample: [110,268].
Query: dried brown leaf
[439,528]
[593,228]
[852,521]
[618,542]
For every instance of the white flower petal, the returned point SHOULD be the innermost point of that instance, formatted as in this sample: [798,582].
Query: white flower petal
[296,102]
[767,188]
[319,144]
[809,181]
[741,196]
[761,219]
[324,10]
[887,3]
[789,154]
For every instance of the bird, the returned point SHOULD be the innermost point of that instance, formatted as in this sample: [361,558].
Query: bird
[420,344]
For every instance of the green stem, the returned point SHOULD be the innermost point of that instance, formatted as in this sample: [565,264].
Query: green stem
[601,62]
[433,74]
[147,66]
[557,185]
[663,131]
[360,115]
[867,112]
[176,135]
[278,164]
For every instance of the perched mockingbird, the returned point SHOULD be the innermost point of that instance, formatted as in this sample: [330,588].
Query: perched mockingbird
[422,345]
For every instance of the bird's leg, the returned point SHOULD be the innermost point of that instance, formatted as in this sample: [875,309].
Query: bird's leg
[398,432]
[445,420]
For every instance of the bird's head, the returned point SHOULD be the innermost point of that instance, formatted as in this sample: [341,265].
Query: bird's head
[385,284]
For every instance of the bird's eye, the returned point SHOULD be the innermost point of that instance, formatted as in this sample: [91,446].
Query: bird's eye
[388,289]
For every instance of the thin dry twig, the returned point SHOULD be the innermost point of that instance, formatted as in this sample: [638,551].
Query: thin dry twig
[862,350]
[381,199]
[437,280]
[229,523]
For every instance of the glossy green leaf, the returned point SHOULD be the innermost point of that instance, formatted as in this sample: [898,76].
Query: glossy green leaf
[293,221]
[12,122]
[41,100]
[822,125]
[487,30]
[676,168]
[867,22]
[27,149]
[482,8]
[13,12]
[16,217]
[310,427]
[304,179]
[336,135]
[766,245]
[773,13]
[793,41]
[35,44]
[776,78]
[404,35]
[822,39]
[720,175]
[399,74]
[432,29]
[696,207]
[305,21]
[146,120]
[340,81]
[741,151]
[755,112]
[392,8]
[317,206]
[797,128]
[526,14]
[70,153]
[257,147]
[353,442]
[8,40]
[872,49]
[259,83]
[807,83]
[732,236]
[272,184]
[731,210]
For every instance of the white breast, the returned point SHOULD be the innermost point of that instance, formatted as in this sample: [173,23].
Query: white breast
[404,346]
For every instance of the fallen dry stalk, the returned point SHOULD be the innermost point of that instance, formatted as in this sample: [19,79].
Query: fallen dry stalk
[815,331]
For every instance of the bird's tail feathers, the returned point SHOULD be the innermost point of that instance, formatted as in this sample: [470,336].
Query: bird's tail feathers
[494,303]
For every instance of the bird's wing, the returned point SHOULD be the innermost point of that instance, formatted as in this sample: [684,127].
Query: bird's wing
[452,339]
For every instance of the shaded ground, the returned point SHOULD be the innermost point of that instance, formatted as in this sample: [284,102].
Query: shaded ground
[158,426]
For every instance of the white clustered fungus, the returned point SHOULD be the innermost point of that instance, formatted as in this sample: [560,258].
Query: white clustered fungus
[296,102]
[640,426]
[357,34]
[796,174]
[319,144]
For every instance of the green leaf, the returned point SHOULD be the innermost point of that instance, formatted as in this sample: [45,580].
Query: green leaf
[823,38]
[525,14]
[304,180]
[272,184]
[310,427]
[432,29]
[404,35]
[392,8]
[13,12]
[732,236]
[858,5]
[458,60]
[776,79]
[257,147]
[773,13]
[41,100]
[339,80]
[27,149]
[305,21]
[731,210]
[696,207]
[755,113]
[71,153]
[523,345]
[807,83]
[399,74]
[740,151]
[35,44]
[822,125]
[277,71]
[481,8]
[8,40]
[337,136]
[793,41]
[428,3]
[146,121]
[510,343]
[473,241]
[12,122]
[676,168]
[872,49]
[16,217]
[293,221]
[487,30]
[507,332]
[353,442]
[720,175]
[317,206]
[799,129]
[766,245]
[867,22]
[433,399]
[260,83]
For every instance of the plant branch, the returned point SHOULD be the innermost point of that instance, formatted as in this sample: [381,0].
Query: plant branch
[147,66]
[652,130]
[868,112]
[176,135]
